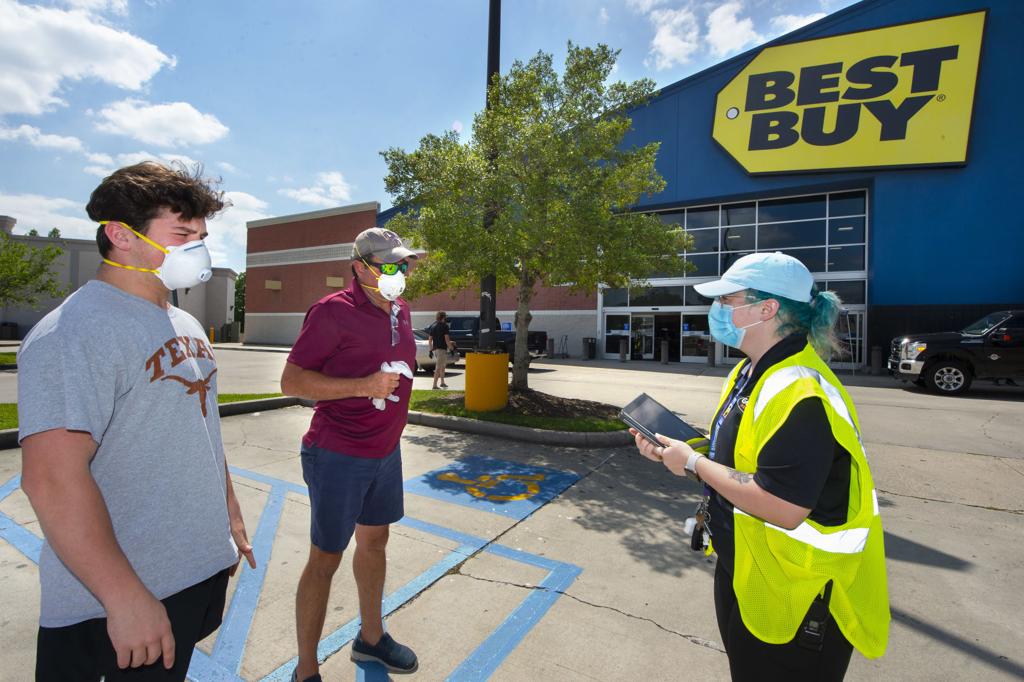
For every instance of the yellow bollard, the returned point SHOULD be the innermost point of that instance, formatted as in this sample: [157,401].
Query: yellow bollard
[211,334]
[486,381]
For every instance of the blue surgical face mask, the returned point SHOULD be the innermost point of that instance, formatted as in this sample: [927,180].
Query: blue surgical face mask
[722,327]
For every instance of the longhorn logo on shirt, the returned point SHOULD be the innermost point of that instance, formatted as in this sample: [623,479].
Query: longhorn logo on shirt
[742,404]
[177,350]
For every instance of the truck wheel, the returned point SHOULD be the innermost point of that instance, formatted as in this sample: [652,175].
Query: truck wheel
[948,377]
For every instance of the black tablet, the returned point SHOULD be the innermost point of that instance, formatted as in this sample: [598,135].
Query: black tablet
[648,416]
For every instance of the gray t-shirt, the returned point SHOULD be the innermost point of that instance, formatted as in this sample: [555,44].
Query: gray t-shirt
[142,381]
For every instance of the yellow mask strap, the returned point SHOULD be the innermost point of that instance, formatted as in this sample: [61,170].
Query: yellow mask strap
[129,267]
[139,235]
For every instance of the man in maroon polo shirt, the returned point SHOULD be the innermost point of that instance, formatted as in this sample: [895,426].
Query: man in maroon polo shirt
[351,455]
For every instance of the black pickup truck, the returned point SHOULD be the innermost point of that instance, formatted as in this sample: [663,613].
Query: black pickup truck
[947,362]
[465,332]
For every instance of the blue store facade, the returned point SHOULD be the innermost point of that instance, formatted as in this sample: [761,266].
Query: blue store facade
[912,237]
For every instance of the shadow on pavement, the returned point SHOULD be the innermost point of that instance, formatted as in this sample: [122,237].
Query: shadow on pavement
[619,492]
[951,639]
[902,549]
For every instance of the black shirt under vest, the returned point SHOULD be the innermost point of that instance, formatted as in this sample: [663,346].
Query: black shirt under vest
[801,463]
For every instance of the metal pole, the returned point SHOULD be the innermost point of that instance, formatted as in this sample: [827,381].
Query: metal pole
[488,284]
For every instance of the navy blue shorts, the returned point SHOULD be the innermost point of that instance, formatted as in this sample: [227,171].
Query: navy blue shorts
[346,490]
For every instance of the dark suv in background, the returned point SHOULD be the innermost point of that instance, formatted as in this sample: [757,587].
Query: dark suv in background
[947,362]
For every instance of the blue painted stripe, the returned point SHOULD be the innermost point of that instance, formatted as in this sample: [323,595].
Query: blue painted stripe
[202,668]
[441,531]
[347,632]
[484,661]
[234,631]
[371,672]
[10,486]
[526,557]
[22,539]
[273,482]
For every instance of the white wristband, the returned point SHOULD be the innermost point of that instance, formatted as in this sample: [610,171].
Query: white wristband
[691,462]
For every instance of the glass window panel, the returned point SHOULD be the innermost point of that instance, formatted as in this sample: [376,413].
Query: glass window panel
[814,259]
[845,258]
[846,231]
[798,208]
[739,214]
[616,323]
[656,296]
[702,217]
[736,238]
[704,240]
[616,297]
[675,218]
[848,292]
[695,335]
[693,298]
[847,203]
[785,235]
[730,258]
[704,266]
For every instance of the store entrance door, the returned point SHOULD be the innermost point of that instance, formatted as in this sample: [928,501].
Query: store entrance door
[642,337]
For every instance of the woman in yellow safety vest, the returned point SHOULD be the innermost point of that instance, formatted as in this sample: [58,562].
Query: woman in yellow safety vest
[790,506]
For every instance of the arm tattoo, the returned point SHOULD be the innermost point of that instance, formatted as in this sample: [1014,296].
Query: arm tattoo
[741,476]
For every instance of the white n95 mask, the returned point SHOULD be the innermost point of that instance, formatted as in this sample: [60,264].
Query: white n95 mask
[184,266]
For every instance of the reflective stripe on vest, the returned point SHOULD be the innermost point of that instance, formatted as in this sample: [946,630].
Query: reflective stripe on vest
[782,378]
[850,541]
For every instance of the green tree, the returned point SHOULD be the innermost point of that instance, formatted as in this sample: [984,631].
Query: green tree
[32,233]
[547,159]
[240,301]
[54,233]
[26,274]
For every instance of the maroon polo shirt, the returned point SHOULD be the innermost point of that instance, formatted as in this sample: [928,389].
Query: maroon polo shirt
[346,335]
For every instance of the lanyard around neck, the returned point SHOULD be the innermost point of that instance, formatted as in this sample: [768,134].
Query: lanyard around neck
[727,409]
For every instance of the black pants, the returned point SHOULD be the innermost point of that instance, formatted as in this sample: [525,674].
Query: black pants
[83,652]
[752,659]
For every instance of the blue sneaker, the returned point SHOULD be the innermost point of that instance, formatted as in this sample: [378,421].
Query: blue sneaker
[397,658]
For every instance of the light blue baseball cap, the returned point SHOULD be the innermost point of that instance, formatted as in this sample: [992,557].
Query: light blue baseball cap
[773,273]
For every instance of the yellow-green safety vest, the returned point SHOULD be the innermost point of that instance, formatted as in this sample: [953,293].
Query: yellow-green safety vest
[779,572]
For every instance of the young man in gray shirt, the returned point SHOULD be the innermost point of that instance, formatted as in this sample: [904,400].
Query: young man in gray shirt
[122,457]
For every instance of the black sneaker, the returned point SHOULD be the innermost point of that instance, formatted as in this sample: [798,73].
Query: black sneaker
[397,658]
[314,678]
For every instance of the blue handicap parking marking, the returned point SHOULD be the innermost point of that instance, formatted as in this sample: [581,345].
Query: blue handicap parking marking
[224,663]
[508,488]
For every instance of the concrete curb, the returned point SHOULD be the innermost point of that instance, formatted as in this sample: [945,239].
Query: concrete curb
[575,439]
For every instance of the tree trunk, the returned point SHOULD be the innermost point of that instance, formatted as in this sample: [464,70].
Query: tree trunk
[521,359]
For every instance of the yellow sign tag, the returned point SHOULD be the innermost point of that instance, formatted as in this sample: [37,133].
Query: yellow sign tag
[896,96]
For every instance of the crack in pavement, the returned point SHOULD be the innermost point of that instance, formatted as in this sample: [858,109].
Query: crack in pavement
[693,639]
[962,504]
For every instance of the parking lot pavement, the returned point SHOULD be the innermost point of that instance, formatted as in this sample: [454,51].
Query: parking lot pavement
[596,582]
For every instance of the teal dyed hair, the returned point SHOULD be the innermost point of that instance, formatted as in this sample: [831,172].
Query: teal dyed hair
[816,320]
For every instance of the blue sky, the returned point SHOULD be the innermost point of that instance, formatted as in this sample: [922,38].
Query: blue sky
[290,103]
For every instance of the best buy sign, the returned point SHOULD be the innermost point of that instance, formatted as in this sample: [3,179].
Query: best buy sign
[895,96]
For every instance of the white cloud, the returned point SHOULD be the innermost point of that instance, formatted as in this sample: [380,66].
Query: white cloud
[100,158]
[227,167]
[103,164]
[112,6]
[784,23]
[457,126]
[727,33]
[676,37]
[45,213]
[602,16]
[42,48]
[643,6]
[228,232]
[165,125]
[38,138]
[331,189]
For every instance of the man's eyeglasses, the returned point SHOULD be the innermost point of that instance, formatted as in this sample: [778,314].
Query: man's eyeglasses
[390,268]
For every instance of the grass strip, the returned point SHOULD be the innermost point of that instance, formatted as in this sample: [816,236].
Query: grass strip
[8,358]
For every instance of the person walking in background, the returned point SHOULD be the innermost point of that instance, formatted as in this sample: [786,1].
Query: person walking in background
[440,344]
[122,458]
[354,348]
[790,507]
